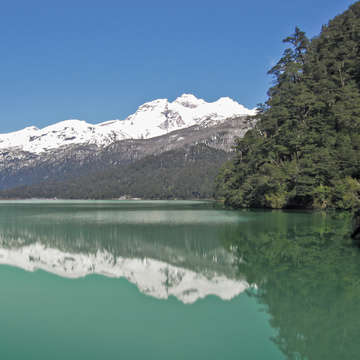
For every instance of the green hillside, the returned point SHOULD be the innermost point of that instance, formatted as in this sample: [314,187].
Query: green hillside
[304,151]
[185,173]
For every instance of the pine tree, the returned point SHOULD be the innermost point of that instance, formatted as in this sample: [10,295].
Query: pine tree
[304,151]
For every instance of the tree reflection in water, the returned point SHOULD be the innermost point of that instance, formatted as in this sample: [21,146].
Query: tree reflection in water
[307,274]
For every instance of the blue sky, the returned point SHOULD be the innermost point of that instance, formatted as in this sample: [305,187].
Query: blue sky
[100,60]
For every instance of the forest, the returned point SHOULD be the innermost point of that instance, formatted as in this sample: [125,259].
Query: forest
[185,173]
[304,150]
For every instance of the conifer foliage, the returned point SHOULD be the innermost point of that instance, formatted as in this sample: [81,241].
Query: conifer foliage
[305,149]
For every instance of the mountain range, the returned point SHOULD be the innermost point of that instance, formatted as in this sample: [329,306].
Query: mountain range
[41,162]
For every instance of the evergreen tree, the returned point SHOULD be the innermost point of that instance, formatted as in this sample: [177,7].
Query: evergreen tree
[304,150]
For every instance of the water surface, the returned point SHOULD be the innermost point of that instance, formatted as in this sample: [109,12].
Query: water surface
[175,280]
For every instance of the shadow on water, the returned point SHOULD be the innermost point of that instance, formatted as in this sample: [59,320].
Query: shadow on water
[307,274]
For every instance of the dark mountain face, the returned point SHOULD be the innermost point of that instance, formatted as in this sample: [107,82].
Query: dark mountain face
[189,158]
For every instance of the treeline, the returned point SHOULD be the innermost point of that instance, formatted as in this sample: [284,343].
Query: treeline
[305,150]
[186,173]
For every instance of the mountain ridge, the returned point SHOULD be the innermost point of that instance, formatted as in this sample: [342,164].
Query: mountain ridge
[19,168]
[154,118]
[183,143]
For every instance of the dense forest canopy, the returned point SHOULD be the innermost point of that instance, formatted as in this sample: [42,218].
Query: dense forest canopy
[304,151]
[185,173]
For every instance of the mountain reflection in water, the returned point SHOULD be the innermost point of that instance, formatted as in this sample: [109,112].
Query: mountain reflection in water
[172,252]
[299,267]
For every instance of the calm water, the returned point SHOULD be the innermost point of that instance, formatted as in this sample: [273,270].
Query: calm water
[175,280]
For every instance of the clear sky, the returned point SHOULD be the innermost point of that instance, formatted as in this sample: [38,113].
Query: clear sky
[100,60]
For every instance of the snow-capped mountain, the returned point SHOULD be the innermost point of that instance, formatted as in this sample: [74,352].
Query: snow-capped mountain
[152,119]
[152,277]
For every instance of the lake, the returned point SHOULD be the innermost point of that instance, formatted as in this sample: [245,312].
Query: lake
[175,280]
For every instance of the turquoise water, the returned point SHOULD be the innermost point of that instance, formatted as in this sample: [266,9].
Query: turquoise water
[175,280]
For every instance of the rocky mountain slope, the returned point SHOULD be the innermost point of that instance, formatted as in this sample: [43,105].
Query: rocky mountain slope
[185,173]
[18,167]
[72,149]
[152,119]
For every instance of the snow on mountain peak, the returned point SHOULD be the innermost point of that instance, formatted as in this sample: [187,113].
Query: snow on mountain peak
[30,128]
[189,100]
[151,119]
